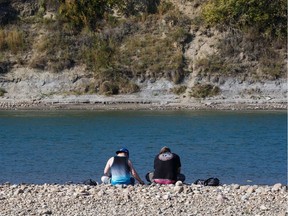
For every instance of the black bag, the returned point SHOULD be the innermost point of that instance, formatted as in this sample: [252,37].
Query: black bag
[90,182]
[212,182]
[199,182]
[208,182]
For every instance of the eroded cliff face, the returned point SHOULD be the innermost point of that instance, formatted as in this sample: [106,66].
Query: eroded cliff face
[225,59]
[29,88]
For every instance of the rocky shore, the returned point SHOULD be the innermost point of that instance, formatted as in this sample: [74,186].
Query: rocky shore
[178,199]
[80,104]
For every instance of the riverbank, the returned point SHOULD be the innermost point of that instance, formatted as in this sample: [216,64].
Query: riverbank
[29,89]
[88,102]
[178,199]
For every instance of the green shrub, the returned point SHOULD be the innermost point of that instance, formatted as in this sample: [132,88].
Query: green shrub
[99,57]
[272,69]
[268,17]
[164,7]
[55,52]
[109,88]
[179,90]
[86,14]
[50,5]
[153,54]
[2,92]
[179,34]
[127,87]
[212,64]
[204,90]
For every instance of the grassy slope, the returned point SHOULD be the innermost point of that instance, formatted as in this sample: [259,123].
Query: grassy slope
[144,47]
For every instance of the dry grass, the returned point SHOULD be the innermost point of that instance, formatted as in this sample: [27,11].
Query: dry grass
[179,90]
[147,46]
[54,51]
[204,90]
[2,40]
[11,40]
[143,53]
[212,64]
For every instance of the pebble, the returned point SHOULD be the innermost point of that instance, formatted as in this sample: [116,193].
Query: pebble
[142,200]
[276,187]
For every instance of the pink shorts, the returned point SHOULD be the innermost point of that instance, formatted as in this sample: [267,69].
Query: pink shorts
[164,181]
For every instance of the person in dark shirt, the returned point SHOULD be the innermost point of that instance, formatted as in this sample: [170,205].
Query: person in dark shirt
[119,169]
[167,168]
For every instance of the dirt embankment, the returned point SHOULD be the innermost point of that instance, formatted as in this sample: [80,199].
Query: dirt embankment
[43,90]
[22,86]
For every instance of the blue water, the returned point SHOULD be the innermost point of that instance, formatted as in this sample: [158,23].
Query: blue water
[72,146]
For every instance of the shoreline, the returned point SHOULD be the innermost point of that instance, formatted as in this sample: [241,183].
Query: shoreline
[128,104]
[178,199]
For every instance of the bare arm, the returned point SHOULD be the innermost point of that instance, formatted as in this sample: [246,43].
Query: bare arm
[108,166]
[179,168]
[134,173]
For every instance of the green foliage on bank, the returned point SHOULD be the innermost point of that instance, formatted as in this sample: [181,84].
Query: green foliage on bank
[2,92]
[269,17]
[83,13]
[204,90]
[120,41]
[89,13]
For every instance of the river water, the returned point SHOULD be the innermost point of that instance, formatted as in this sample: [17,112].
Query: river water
[247,147]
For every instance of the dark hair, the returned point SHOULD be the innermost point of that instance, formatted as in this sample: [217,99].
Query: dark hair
[165,149]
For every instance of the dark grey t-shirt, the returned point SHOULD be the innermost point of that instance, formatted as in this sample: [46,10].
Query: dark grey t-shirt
[166,166]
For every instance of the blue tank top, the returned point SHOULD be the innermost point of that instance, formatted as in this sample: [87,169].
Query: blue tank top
[120,171]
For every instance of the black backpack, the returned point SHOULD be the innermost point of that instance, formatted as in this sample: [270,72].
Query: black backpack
[212,182]
[199,182]
[89,182]
[208,182]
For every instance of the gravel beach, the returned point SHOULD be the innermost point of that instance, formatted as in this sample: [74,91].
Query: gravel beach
[132,103]
[178,199]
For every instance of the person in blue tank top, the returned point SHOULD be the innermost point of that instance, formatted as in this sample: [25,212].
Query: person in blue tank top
[119,169]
